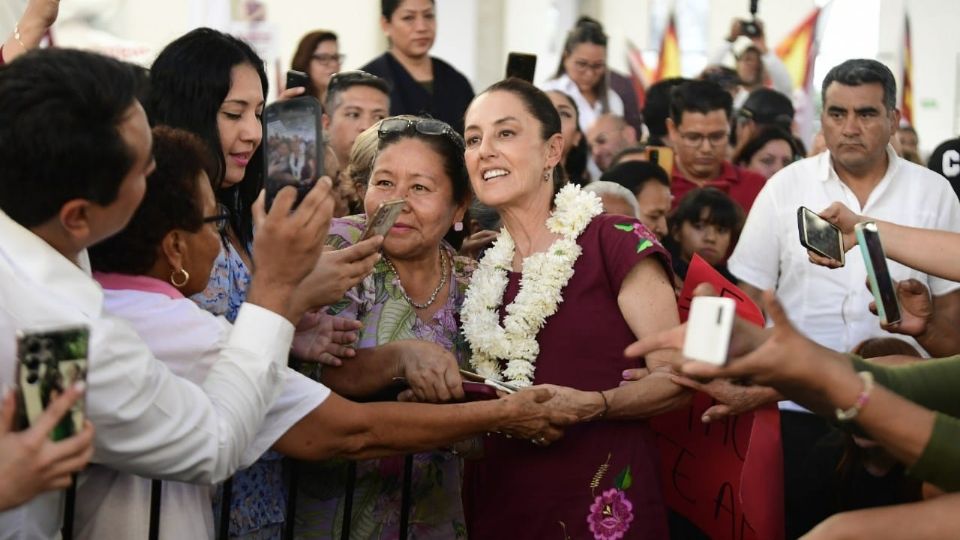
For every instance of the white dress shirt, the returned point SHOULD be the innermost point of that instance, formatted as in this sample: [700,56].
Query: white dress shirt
[830,305]
[148,421]
[111,504]
[588,112]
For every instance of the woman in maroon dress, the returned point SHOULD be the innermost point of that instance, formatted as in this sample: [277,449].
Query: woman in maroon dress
[530,320]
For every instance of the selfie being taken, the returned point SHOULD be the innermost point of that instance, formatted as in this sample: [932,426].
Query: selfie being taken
[454,269]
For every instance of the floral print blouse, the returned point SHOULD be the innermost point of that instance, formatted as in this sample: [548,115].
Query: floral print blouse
[436,511]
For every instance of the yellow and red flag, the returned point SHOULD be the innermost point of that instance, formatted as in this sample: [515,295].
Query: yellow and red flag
[906,98]
[640,75]
[668,65]
[798,50]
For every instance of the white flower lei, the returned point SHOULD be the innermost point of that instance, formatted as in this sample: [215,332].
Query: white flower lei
[543,277]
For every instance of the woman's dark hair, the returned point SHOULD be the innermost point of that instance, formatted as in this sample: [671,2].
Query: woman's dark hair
[388,7]
[575,165]
[304,55]
[188,82]
[722,212]
[765,135]
[586,30]
[454,164]
[60,111]
[171,202]
[540,107]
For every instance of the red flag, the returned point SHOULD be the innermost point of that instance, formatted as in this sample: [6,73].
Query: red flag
[906,98]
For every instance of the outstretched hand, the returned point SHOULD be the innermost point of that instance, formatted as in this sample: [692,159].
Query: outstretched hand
[325,339]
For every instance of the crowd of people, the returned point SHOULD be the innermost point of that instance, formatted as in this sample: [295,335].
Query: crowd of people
[280,372]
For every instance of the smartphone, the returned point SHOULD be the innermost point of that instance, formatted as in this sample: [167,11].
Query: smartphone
[881,284]
[496,385]
[522,66]
[383,218]
[49,362]
[708,329]
[819,235]
[475,391]
[294,146]
[297,79]
[662,156]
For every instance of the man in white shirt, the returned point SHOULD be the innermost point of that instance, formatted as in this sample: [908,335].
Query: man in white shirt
[69,121]
[862,171]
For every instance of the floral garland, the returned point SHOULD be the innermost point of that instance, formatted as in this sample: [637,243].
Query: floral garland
[543,278]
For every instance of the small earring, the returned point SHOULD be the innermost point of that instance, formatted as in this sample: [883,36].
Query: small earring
[546,176]
[458,226]
[175,274]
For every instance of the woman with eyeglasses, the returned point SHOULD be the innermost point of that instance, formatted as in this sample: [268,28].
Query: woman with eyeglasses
[408,307]
[420,83]
[582,73]
[213,85]
[318,55]
[556,300]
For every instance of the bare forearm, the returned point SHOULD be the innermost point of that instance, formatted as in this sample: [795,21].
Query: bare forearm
[930,251]
[367,373]
[340,428]
[650,396]
[934,519]
[31,33]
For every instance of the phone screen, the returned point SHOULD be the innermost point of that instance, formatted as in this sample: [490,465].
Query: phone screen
[522,66]
[51,361]
[296,79]
[888,307]
[294,146]
[819,235]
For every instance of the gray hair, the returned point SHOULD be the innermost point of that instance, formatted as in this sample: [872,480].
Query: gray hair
[860,71]
[615,190]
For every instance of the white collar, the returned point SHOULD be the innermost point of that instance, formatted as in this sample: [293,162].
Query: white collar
[826,171]
[41,263]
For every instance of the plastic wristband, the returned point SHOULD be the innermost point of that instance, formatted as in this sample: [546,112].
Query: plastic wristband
[862,398]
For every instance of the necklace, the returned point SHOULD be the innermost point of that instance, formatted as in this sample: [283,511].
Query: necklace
[433,297]
[543,277]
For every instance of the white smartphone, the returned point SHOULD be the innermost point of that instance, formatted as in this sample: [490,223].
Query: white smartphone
[708,329]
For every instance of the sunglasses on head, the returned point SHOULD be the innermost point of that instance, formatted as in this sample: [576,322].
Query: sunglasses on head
[348,78]
[392,127]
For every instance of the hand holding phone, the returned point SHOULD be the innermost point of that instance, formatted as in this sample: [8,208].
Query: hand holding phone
[294,146]
[50,362]
[819,235]
[881,284]
[383,218]
[708,329]
[296,79]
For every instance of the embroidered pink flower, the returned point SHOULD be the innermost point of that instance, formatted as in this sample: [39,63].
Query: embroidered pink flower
[610,515]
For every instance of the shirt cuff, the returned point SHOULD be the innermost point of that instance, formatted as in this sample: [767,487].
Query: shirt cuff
[264,334]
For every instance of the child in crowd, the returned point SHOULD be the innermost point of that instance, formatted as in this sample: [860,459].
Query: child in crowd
[706,222]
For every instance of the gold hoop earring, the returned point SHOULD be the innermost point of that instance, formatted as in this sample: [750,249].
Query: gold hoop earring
[175,274]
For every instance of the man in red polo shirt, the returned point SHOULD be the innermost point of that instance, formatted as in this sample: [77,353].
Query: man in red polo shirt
[698,128]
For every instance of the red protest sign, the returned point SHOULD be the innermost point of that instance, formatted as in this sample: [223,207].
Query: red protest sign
[725,477]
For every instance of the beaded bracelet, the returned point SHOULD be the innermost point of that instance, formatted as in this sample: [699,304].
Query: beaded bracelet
[862,399]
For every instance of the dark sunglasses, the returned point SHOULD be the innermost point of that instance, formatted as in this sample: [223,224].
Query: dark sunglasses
[392,127]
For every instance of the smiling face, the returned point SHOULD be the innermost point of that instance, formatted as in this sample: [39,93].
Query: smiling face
[510,164]
[412,170]
[238,122]
[412,28]
[857,126]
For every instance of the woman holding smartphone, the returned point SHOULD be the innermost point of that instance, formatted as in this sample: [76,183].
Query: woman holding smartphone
[408,307]
[421,84]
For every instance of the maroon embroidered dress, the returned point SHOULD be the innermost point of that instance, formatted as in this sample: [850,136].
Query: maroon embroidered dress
[519,490]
